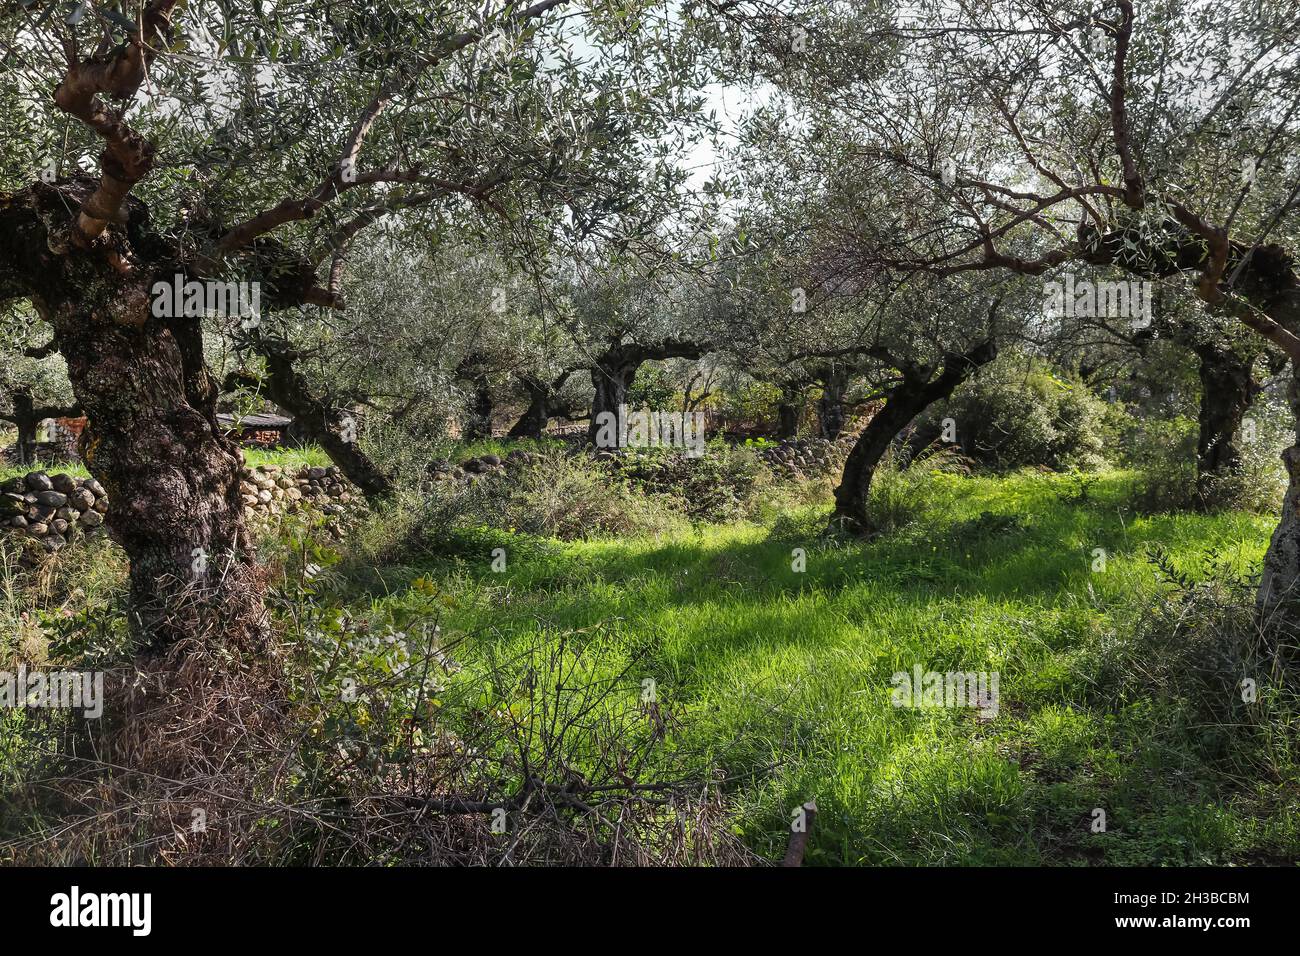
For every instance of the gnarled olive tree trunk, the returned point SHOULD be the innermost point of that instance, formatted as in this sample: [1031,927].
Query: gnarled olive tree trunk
[172,478]
[831,413]
[1279,582]
[1228,389]
[318,419]
[542,405]
[913,395]
[615,370]
[787,419]
[473,371]
[152,440]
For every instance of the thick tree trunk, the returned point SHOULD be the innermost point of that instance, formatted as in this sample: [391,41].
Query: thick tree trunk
[320,421]
[615,370]
[152,441]
[1227,390]
[1279,583]
[913,395]
[532,423]
[854,491]
[478,423]
[787,420]
[831,413]
[26,421]
[611,384]
[473,371]
[543,404]
[172,478]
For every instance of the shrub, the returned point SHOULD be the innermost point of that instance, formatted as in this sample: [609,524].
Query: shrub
[750,404]
[370,737]
[1017,412]
[566,496]
[1163,450]
[903,488]
[1227,675]
[718,486]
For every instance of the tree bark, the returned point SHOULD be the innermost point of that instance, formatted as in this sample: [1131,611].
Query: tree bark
[320,421]
[787,420]
[831,414]
[473,370]
[1279,583]
[611,382]
[541,406]
[615,370]
[1228,388]
[913,395]
[25,420]
[532,423]
[27,416]
[172,478]
[152,440]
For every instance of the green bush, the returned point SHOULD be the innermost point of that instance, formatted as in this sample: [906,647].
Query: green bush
[1018,411]
[1163,450]
[571,497]
[719,485]
[751,404]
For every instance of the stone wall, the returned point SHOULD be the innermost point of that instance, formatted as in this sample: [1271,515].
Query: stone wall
[808,457]
[50,511]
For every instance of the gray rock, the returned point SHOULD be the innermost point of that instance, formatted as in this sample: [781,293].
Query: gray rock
[38,481]
[18,521]
[64,483]
[92,519]
[94,487]
[316,474]
[59,526]
[67,514]
[51,499]
[82,499]
[101,505]
[53,542]
[38,530]
[491,461]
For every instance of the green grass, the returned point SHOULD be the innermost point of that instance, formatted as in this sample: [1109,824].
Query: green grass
[785,676]
[291,459]
[71,468]
[465,450]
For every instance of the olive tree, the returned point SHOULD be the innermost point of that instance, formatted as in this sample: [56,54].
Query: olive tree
[183,146]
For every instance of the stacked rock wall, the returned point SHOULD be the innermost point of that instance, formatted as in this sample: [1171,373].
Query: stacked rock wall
[53,510]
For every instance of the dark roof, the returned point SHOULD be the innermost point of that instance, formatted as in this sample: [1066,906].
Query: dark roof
[253,421]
